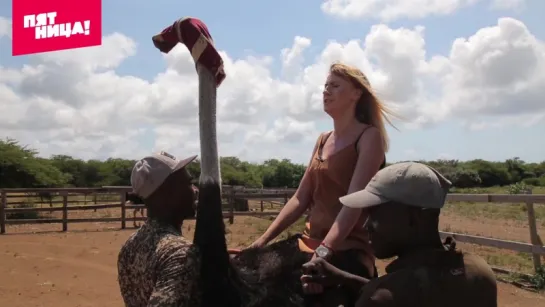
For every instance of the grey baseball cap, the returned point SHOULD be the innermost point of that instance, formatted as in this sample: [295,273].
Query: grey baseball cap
[409,183]
[149,173]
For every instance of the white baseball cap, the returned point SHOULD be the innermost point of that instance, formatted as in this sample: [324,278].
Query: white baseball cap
[149,173]
[409,183]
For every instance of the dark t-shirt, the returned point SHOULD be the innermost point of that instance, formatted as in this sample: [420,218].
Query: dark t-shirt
[433,278]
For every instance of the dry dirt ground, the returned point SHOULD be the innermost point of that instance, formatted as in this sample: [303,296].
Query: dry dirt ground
[41,266]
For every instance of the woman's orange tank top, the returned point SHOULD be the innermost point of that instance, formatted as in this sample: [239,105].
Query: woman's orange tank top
[330,179]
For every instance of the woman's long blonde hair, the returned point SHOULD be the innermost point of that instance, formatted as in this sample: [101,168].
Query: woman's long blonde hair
[370,109]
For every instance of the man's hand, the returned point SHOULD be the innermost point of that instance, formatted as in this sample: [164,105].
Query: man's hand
[318,273]
[311,284]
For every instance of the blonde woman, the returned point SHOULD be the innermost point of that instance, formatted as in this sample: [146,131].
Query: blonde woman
[359,142]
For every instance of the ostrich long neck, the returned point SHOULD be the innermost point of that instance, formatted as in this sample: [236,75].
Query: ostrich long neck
[215,268]
[210,228]
[210,169]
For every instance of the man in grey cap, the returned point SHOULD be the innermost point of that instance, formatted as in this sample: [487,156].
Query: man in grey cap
[403,202]
[157,265]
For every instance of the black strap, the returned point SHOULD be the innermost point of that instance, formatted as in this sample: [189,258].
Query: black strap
[356,147]
[322,143]
[359,137]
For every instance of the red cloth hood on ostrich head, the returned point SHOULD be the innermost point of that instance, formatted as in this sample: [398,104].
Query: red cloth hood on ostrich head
[194,34]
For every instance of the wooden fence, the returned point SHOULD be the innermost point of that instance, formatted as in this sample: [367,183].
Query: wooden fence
[118,194]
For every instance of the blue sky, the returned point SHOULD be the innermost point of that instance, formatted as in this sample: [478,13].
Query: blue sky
[243,27]
[279,21]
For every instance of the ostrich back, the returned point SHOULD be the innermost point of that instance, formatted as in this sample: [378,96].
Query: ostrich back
[274,273]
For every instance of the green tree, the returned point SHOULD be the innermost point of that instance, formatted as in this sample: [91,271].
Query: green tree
[491,173]
[21,167]
[282,173]
[74,169]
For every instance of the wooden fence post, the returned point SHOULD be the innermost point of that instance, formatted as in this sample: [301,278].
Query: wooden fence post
[534,237]
[232,207]
[262,209]
[3,205]
[64,211]
[123,212]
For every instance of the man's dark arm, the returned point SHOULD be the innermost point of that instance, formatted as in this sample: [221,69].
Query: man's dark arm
[406,288]
[380,298]
[322,272]
[354,282]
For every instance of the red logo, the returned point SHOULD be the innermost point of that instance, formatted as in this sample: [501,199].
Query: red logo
[51,25]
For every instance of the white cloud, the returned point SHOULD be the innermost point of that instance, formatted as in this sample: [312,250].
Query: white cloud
[5,27]
[74,102]
[507,4]
[292,58]
[498,71]
[390,10]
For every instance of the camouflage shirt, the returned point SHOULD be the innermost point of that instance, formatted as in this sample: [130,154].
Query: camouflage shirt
[158,267]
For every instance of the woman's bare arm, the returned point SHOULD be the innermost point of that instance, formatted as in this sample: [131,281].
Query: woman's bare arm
[294,208]
[370,157]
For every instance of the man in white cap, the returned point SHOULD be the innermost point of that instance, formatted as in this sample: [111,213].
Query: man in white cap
[403,202]
[157,265]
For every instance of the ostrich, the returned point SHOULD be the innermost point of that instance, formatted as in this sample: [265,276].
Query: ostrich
[47,196]
[254,277]
[133,199]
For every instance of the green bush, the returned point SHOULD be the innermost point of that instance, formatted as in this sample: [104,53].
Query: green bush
[464,178]
[532,181]
[518,188]
[538,279]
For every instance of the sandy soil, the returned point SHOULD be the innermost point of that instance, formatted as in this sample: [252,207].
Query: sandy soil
[44,267]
